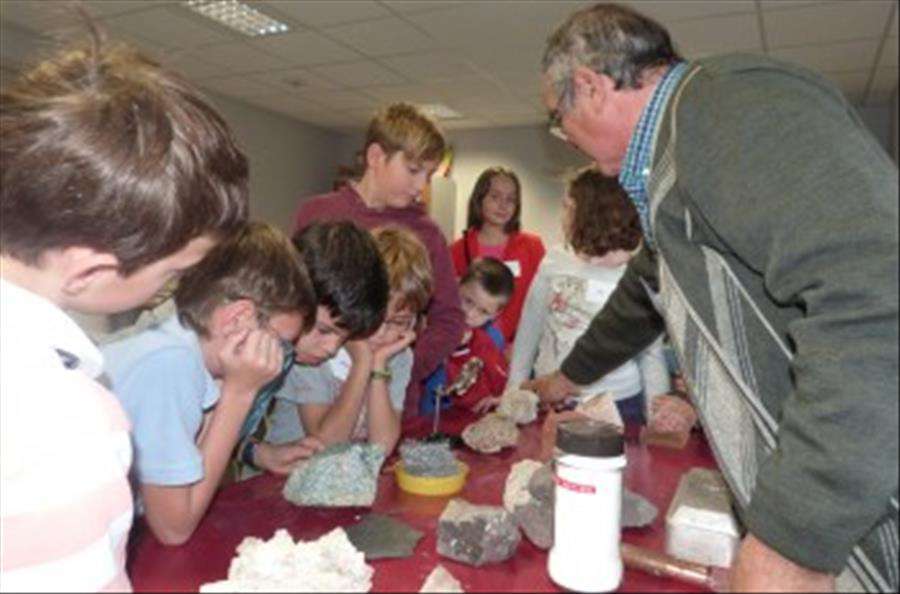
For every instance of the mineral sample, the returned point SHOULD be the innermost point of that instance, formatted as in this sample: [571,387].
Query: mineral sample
[601,407]
[491,433]
[344,474]
[515,492]
[519,406]
[428,458]
[636,511]
[476,534]
[379,537]
[329,564]
[441,580]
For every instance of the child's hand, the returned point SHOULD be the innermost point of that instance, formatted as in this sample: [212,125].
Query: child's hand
[384,353]
[485,405]
[250,359]
[671,414]
[359,351]
[282,458]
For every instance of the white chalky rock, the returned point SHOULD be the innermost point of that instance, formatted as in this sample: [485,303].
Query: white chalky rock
[519,406]
[491,433]
[516,490]
[441,580]
[602,408]
[329,564]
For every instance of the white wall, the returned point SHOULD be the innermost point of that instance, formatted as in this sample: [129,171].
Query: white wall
[288,159]
[895,124]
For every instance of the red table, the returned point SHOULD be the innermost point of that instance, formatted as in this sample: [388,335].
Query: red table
[256,508]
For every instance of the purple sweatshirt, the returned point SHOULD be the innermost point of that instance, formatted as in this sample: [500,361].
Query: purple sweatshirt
[445,322]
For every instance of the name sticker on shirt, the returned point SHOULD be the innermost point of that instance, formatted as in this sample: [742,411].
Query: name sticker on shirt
[340,364]
[514,266]
[594,292]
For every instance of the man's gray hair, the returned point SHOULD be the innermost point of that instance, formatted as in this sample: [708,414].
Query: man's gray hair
[609,39]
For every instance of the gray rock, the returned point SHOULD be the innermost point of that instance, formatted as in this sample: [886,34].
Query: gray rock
[636,510]
[541,485]
[476,534]
[344,474]
[380,537]
[428,458]
[491,433]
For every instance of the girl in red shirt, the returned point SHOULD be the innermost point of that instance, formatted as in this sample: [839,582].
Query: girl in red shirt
[493,230]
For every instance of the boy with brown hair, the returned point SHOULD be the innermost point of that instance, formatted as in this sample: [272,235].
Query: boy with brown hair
[239,311]
[359,392]
[116,177]
[402,149]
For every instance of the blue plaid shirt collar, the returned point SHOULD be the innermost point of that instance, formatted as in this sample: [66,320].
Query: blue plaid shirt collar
[636,166]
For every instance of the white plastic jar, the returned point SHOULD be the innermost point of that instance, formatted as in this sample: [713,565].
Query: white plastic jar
[588,463]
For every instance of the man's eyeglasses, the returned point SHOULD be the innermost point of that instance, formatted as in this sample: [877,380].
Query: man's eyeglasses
[554,124]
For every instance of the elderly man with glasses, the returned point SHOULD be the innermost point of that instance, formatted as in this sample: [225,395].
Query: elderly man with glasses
[771,258]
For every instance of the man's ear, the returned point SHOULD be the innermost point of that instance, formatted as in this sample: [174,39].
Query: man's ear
[234,316]
[82,266]
[595,87]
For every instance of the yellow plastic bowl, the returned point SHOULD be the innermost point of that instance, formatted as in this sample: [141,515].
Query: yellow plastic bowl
[431,485]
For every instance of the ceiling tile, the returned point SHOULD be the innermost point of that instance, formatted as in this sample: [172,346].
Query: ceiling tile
[415,93]
[305,48]
[783,4]
[358,74]
[835,57]
[717,34]
[38,16]
[191,66]
[343,100]
[414,6]
[839,21]
[464,124]
[383,37]
[172,26]
[297,80]
[433,66]
[323,13]
[889,53]
[671,11]
[240,57]
[241,87]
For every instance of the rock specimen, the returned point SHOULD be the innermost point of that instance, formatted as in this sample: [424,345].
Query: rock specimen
[515,492]
[700,524]
[519,406]
[329,564]
[379,537]
[636,511]
[601,407]
[491,433]
[441,580]
[344,474]
[476,534]
[428,458]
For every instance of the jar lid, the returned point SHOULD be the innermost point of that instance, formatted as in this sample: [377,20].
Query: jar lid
[590,438]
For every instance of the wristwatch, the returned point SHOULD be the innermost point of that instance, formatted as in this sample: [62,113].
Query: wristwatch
[384,374]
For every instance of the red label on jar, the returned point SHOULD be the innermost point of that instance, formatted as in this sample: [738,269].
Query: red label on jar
[573,486]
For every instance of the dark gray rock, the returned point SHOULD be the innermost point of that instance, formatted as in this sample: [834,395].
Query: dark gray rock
[476,534]
[380,537]
[636,510]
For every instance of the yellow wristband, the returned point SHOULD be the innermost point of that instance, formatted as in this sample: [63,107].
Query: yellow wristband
[383,374]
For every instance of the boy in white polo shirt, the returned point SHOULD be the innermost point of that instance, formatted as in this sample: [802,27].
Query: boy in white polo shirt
[116,177]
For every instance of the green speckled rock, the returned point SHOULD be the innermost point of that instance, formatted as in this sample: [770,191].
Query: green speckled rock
[343,475]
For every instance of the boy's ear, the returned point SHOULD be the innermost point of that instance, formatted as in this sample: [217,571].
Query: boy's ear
[234,316]
[81,266]
[375,155]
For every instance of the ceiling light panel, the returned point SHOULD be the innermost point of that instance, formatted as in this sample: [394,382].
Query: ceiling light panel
[238,16]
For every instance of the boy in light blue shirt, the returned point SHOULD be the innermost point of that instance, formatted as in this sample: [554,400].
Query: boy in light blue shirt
[188,382]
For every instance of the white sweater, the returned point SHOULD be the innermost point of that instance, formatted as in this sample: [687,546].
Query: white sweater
[566,294]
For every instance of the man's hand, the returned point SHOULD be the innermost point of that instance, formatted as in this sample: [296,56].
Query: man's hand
[485,404]
[552,387]
[281,458]
[671,414]
[759,568]
[382,355]
[250,359]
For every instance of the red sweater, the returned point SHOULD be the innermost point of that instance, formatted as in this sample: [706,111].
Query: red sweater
[445,322]
[525,248]
[492,379]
